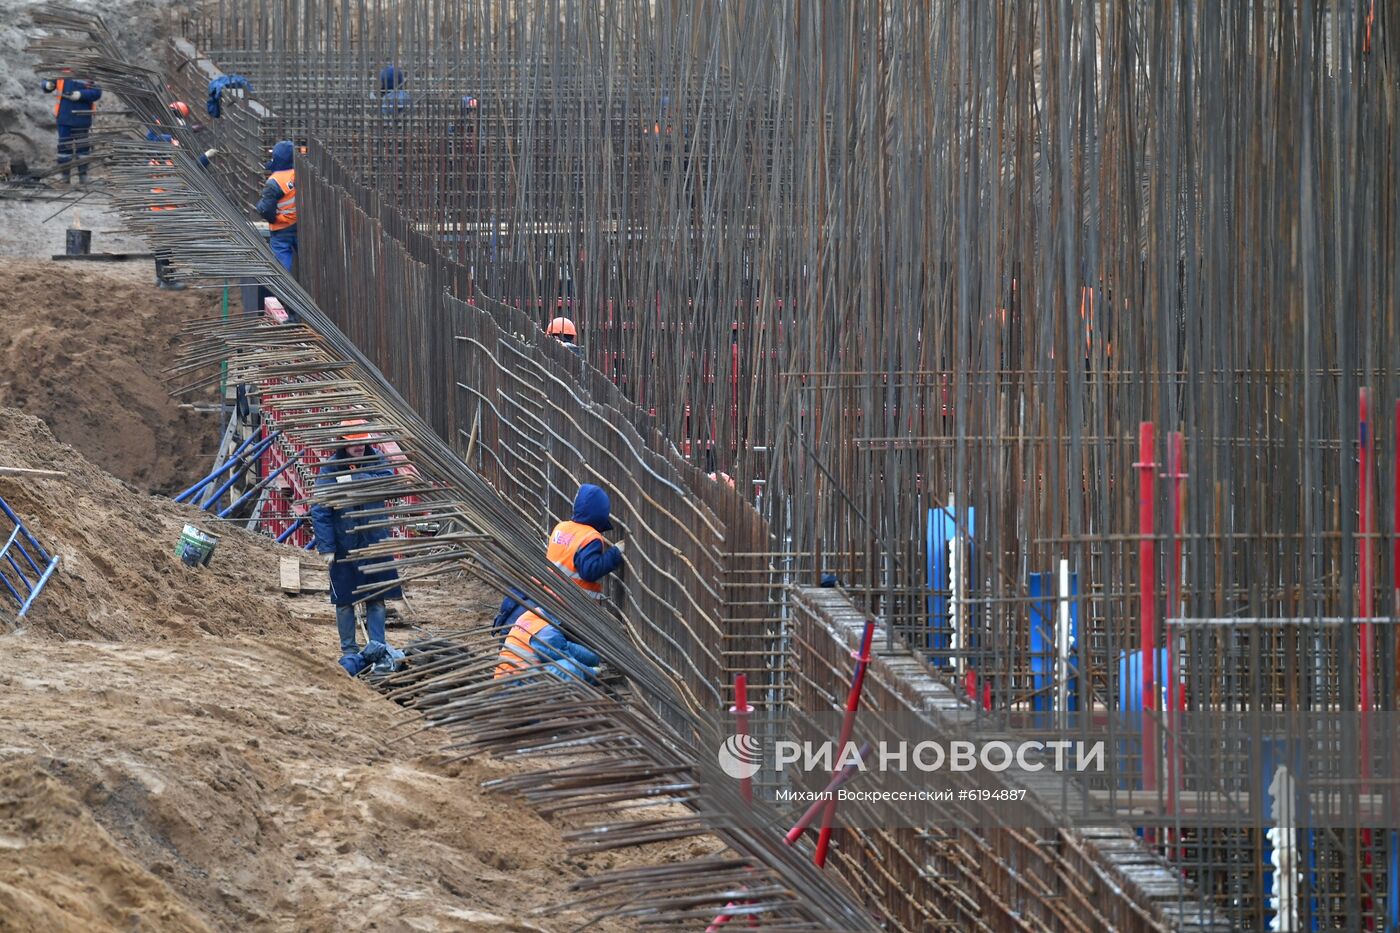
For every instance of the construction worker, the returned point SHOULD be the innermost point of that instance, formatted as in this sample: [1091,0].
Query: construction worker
[577,547]
[181,112]
[278,204]
[534,641]
[340,531]
[392,96]
[563,330]
[513,606]
[77,99]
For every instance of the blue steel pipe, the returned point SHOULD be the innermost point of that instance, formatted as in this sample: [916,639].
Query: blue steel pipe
[37,587]
[291,530]
[218,471]
[5,506]
[251,459]
[13,592]
[262,484]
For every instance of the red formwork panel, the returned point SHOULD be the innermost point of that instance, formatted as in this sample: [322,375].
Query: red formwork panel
[288,497]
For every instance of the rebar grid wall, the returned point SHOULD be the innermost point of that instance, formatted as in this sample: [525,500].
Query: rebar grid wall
[969,250]
[986,874]
[535,421]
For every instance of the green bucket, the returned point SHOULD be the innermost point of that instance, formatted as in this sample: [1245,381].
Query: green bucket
[196,547]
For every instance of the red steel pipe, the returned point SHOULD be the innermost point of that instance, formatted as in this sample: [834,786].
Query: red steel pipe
[847,725]
[1147,576]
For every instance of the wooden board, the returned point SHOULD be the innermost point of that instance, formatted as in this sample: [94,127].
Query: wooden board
[25,471]
[290,573]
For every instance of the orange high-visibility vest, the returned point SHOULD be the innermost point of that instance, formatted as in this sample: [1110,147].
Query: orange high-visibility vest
[287,204]
[516,653]
[567,539]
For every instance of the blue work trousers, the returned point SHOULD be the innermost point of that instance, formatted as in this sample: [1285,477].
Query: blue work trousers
[345,624]
[73,144]
[284,247]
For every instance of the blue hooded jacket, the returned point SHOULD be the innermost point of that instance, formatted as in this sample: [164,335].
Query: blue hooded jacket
[75,114]
[282,155]
[390,78]
[593,508]
[340,531]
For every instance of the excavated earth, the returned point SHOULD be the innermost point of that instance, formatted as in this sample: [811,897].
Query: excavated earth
[178,748]
[84,346]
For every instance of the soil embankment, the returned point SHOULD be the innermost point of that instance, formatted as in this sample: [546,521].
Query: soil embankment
[199,761]
[84,345]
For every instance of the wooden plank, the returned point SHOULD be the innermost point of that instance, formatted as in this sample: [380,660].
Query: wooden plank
[25,471]
[290,573]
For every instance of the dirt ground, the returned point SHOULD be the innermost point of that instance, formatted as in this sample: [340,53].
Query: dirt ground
[84,346]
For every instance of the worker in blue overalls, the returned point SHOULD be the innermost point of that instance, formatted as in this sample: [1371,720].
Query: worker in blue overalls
[77,99]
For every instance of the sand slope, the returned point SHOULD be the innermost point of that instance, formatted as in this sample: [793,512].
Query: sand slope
[180,751]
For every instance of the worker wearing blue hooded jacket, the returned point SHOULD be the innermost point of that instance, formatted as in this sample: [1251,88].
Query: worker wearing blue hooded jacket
[340,531]
[577,547]
[77,99]
[278,204]
[534,641]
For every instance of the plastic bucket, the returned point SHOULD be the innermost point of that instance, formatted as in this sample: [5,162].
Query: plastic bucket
[79,242]
[196,547]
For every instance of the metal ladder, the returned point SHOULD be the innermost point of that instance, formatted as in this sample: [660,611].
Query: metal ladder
[24,564]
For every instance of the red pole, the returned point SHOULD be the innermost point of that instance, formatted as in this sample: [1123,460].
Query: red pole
[847,725]
[806,819]
[741,712]
[1176,469]
[1147,576]
[1365,522]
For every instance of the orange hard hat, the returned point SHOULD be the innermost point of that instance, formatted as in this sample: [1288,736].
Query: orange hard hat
[355,435]
[723,478]
[181,108]
[561,327]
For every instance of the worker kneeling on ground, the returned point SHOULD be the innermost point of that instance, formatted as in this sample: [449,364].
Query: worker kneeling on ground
[340,531]
[533,641]
[577,547]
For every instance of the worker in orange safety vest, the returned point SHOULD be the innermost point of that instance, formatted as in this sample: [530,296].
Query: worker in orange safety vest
[534,641]
[77,99]
[278,204]
[577,546]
